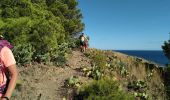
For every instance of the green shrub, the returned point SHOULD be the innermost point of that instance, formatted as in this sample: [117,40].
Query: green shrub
[123,68]
[43,24]
[93,72]
[104,89]
[23,53]
[73,81]
[99,59]
[73,42]
[43,58]
[137,85]
[58,56]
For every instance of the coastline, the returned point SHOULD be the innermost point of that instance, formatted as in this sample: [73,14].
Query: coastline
[153,56]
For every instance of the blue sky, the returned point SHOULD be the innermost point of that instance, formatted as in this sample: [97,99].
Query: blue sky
[126,24]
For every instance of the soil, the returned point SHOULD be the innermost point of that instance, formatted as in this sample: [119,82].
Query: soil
[42,82]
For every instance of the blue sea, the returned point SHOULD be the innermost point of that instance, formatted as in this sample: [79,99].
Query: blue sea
[151,55]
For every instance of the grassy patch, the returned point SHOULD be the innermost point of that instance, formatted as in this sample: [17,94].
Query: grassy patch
[104,89]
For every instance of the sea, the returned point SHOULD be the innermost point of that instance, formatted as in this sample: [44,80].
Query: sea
[156,56]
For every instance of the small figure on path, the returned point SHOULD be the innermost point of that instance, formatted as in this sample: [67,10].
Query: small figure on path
[83,42]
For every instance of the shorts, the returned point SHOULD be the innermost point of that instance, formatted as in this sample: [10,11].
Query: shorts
[86,45]
[82,43]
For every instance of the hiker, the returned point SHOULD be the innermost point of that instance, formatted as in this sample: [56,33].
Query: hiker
[86,43]
[8,70]
[83,41]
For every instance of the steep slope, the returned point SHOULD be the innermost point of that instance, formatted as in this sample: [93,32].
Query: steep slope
[45,82]
[142,78]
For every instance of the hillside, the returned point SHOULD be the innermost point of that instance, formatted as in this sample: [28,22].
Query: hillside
[45,82]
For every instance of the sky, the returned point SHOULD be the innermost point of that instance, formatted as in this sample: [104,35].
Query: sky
[126,24]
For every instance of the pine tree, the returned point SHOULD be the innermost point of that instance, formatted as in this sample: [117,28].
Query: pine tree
[166,48]
[43,24]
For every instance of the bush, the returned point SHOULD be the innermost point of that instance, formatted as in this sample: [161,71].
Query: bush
[58,56]
[23,53]
[73,42]
[99,59]
[43,25]
[92,72]
[104,89]
[73,81]
[43,58]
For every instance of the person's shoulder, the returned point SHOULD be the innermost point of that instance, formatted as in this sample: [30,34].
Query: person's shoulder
[5,49]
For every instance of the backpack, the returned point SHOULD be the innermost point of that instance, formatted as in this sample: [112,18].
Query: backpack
[80,36]
[4,43]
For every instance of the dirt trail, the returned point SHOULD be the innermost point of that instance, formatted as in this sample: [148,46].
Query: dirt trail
[78,60]
[42,82]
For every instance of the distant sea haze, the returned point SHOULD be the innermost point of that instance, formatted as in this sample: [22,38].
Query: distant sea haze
[156,56]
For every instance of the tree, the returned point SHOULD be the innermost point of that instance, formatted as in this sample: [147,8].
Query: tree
[166,48]
[43,24]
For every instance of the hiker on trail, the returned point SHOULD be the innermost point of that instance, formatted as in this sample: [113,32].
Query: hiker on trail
[83,42]
[8,70]
[86,43]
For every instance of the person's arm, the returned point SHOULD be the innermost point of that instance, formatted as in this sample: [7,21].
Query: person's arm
[14,75]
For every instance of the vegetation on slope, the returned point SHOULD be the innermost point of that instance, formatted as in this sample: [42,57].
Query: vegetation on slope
[166,50]
[41,31]
[103,89]
[40,28]
[136,76]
